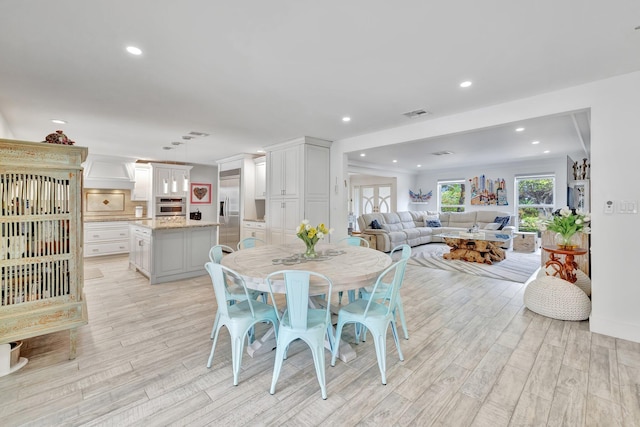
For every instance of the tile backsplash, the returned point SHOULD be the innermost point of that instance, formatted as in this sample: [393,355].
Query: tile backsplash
[103,203]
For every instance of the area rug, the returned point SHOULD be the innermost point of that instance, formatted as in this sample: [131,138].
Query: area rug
[517,267]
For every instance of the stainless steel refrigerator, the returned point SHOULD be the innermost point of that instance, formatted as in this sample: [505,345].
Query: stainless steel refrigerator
[229,214]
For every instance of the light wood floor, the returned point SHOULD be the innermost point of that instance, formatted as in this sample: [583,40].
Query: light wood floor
[475,356]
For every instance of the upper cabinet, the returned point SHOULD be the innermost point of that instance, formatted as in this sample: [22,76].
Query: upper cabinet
[170,180]
[284,171]
[261,178]
[142,188]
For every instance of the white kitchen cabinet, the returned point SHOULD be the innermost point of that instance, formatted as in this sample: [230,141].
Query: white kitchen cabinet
[142,187]
[255,229]
[140,255]
[261,178]
[169,253]
[170,180]
[284,171]
[298,187]
[106,238]
[284,218]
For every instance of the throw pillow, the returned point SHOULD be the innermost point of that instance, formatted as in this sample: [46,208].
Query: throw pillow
[375,225]
[502,220]
[493,226]
[434,223]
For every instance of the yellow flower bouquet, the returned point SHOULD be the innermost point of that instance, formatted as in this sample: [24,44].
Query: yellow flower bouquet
[310,236]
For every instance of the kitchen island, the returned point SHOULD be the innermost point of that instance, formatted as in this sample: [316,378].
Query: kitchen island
[171,249]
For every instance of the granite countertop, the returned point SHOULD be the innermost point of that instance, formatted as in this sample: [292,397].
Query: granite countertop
[163,224]
[107,218]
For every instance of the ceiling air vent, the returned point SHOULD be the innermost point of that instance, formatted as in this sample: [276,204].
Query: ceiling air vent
[416,113]
[442,153]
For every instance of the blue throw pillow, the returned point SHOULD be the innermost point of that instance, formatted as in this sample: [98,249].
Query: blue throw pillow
[434,223]
[375,225]
[502,220]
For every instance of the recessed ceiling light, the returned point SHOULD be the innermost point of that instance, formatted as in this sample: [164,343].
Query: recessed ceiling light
[519,129]
[465,83]
[167,148]
[58,121]
[535,142]
[194,133]
[546,151]
[419,166]
[134,50]
[177,143]
[362,155]
[260,151]
[395,161]
[346,119]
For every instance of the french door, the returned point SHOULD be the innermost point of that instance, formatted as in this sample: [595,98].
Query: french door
[375,198]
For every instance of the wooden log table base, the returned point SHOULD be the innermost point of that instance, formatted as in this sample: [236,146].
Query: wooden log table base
[481,251]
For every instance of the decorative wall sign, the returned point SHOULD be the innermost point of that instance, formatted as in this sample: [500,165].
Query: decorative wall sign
[485,191]
[200,193]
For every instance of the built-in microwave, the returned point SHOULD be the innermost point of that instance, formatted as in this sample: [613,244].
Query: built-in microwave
[171,206]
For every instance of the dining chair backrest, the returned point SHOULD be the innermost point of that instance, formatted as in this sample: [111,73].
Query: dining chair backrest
[354,241]
[250,242]
[405,251]
[219,273]
[393,287]
[217,252]
[297,291]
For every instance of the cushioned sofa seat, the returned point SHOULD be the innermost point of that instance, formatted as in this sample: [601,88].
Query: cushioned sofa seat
[409,227]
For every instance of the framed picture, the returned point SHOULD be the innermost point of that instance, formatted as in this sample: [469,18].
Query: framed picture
[200,193]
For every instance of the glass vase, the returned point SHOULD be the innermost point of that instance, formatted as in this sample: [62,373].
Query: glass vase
[310,253]
[567,241]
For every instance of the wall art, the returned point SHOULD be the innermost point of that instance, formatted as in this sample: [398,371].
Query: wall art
[486,191]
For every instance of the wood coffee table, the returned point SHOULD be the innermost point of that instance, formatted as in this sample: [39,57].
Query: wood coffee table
[484,248]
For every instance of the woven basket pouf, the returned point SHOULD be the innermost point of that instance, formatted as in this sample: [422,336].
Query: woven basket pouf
[583,281]
[556,298]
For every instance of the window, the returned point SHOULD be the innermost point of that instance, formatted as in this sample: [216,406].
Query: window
[451,196]
[534,198]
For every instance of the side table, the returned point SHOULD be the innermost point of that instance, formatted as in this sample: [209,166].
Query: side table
[566,270]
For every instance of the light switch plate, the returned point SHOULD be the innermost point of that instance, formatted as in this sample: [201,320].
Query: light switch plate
[628,207]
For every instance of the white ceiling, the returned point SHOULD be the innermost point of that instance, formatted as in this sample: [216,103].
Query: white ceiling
[253,73]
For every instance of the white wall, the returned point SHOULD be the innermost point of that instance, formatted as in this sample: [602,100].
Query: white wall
[206,175]
[5,132]
[614,136]
[556,165]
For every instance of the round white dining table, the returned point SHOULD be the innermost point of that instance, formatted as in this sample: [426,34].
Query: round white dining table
[348,267]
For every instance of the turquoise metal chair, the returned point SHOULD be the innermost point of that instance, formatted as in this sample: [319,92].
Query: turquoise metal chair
[235,292]
[250,242]
[299,321]
[366,293]
[375,316]
[239,318]
[351,241]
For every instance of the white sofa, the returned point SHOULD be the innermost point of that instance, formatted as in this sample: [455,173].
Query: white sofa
[409,227]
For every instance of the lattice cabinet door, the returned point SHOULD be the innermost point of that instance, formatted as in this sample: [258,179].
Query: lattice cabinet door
[41,264]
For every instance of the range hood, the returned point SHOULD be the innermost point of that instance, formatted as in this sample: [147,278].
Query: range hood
[109,172]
